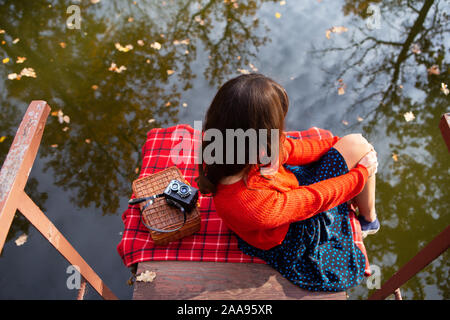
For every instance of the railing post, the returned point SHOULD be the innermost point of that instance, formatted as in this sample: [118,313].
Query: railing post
[13,178]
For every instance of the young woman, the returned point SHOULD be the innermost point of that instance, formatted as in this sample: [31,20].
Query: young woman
[296,219]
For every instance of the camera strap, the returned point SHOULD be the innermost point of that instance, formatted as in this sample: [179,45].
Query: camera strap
[150,202]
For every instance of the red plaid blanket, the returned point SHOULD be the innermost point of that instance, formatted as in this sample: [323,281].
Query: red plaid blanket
[214,241]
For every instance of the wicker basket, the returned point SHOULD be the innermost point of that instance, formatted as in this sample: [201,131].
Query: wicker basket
[160,215]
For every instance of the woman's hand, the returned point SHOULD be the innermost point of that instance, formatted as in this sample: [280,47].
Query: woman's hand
[370,161]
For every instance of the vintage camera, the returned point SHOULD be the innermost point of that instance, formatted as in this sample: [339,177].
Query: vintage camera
[178,193]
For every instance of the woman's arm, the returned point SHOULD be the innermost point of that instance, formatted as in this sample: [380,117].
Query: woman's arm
[303,151]
[269,208]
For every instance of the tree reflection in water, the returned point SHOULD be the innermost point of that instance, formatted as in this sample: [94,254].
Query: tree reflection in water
[389,77]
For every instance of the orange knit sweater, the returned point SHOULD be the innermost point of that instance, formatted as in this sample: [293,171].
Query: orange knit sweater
[260,210]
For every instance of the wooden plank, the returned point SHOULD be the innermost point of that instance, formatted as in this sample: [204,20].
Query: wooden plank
[32,212]
[444,125]
[425,256]
[180,280]
[17,166]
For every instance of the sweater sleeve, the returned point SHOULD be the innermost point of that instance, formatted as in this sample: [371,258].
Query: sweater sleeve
[269,208]
[303,151]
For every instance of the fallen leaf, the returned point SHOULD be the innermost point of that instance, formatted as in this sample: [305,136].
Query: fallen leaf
[54,113]
[147,276]
[395,157]
[243,71]
[335,30]
[184,104]
[169,72]
[16,40]
[444,88]
[62,44]
[136,170]
[409,116]
[415,48]
[434,69]
[151,120]
[54,145]
[94,87]
[277,15]
[114,68]
[20,59]
[360,119]
[127,48]
[130,19]
[87,141]
[28,72]
[147,61]
[168,104]
[345,123]
[6,60]
[254,69]
[2,31]
[156,45]
[65,129]
[60,116]
[13,76]
[282,3]
[66,119]
[2,138]
[141,43]
[21,239]
[341,91]
[95,1]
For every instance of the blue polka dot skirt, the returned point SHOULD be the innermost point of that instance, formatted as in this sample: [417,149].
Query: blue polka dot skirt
[317,254]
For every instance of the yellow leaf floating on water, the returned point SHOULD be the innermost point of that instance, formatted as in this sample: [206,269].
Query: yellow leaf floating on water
[168,104]
[335,30]
[147,276]
[94,87]
[62,45]
[2,139]
[409,116]
[444,89]
[6,60]
[127,48]
[28,72]
[21,59]
[114,68]
[341,87]
[434,70]
[156,45]
[395,157]
[13,76]
[277,15]
[20,241]
[360,119]
[243,71]
[170,72]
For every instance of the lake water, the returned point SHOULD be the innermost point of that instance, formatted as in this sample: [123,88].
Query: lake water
[370,74]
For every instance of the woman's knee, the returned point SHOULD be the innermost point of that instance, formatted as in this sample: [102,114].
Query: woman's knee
[353,148]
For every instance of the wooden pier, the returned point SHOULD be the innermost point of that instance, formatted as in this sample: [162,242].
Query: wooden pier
[189,280]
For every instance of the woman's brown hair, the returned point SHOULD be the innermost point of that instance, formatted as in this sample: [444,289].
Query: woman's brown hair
[251,101]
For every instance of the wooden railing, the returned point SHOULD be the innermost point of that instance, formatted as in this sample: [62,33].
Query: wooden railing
[425,256]
[13,178]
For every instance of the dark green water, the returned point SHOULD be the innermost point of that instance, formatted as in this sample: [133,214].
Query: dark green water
[83,185]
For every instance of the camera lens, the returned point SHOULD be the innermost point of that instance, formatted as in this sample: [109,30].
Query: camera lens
[174,186]
[184,191]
